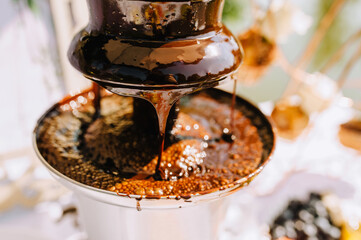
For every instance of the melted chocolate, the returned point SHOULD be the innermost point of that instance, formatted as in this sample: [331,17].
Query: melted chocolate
[158,51]
[116,61]
[113,153]
[96,100]
[138,44]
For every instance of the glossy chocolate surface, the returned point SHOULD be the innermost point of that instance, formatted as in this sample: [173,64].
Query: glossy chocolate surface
[137,43]
[112,153]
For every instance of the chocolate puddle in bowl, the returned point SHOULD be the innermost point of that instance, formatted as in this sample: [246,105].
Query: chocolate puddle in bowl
[112,154]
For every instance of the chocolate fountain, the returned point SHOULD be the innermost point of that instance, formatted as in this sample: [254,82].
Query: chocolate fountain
[168,149]
[158,51]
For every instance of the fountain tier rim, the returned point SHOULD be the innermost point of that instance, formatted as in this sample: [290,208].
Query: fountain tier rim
[156,202]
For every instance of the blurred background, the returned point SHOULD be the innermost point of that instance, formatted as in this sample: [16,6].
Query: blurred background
[34,37]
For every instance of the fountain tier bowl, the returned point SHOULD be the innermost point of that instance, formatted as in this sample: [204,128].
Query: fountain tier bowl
[106,215]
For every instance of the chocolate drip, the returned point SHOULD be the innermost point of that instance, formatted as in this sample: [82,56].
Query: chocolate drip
[96,100]
[146,119]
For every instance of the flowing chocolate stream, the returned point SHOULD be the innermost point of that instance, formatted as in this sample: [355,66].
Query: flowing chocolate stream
[162,101]
[228,134]
[234,94]
[96,100]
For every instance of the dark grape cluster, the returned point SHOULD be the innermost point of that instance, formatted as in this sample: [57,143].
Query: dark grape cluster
[308,220]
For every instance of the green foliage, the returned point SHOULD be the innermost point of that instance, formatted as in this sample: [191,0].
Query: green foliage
[333,37]
[232,10]
[31,4]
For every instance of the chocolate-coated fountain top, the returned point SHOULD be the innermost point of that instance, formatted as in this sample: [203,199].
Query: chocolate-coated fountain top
[170,44]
